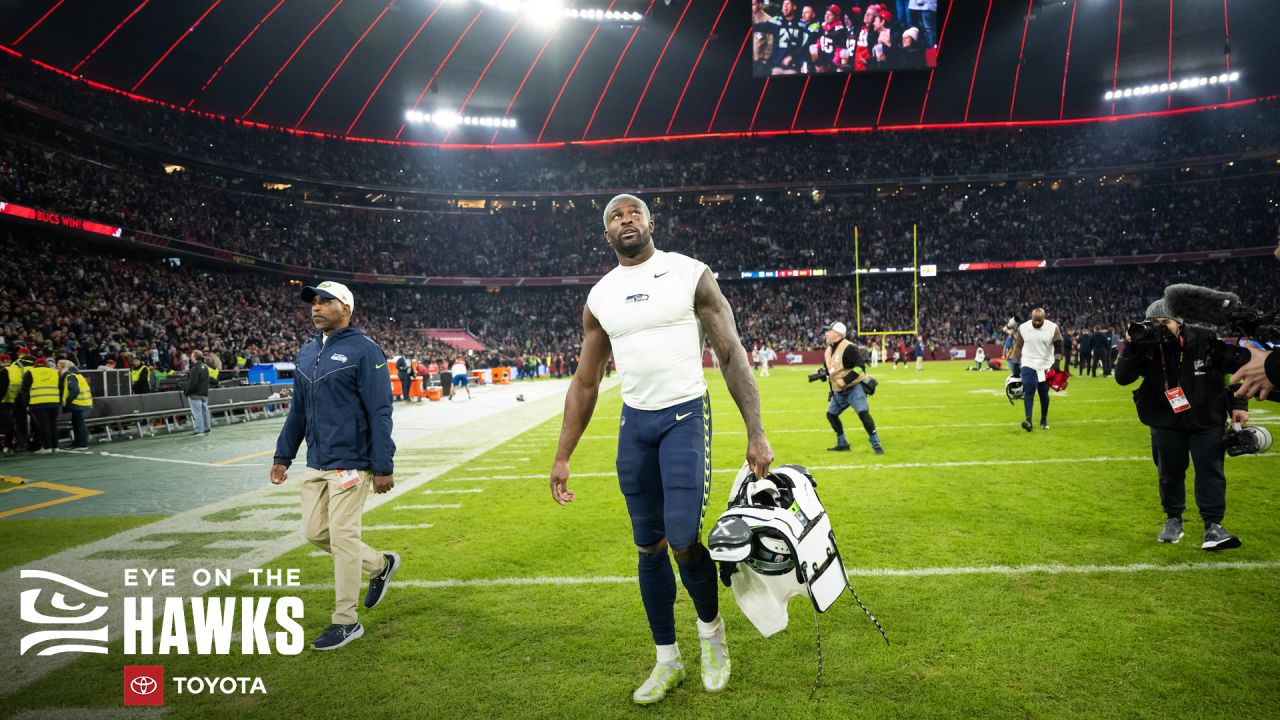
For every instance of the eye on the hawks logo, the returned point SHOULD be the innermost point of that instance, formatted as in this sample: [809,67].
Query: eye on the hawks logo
[143,685]
[72,640]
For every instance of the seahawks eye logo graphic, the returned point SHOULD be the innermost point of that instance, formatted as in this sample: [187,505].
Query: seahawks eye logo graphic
[70,640]
[639,297]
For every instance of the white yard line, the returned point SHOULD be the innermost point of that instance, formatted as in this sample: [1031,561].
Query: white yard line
[1013,425]
[876,466]
[446,506]
[859,572]
[459,491]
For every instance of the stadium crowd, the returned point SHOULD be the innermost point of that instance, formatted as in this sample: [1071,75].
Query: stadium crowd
[92,305]
[957,223]
[112,160]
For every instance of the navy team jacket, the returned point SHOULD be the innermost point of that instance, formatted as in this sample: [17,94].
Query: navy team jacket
[341,405]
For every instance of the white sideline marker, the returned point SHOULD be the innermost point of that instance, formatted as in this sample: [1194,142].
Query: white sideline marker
[419,526]
[459,491]
[104,453]
[446,506]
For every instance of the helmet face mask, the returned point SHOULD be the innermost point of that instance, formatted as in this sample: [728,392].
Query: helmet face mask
[772,491]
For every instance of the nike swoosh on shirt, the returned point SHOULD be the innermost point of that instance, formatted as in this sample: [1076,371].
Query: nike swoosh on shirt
[680,417]
[375,367]
[658,275]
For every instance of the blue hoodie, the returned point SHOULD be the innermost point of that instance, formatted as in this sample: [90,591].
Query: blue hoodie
[342,405]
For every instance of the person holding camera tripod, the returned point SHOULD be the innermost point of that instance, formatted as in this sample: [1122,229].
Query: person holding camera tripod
[1183,399]
[846,373]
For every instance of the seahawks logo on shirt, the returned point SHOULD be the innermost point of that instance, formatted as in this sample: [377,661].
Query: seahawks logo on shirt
[339,357]
[638,297]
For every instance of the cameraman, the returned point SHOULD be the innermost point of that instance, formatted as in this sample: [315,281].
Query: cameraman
[1184,401]
[847,376]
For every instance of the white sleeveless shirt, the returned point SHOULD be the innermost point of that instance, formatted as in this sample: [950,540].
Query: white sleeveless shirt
[647,311]
[1037,345]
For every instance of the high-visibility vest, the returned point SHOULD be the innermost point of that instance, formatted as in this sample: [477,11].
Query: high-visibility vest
[15,383]
[836,371]
[136,373]
[84,398]
[213,373]
[44,386]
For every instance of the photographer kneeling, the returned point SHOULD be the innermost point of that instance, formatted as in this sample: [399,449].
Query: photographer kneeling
[846,374]
[1184,401]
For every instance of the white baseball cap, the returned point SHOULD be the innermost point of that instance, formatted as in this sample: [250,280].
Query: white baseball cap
[331,290]
[838,327]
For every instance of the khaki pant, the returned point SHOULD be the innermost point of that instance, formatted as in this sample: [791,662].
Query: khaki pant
[331,517]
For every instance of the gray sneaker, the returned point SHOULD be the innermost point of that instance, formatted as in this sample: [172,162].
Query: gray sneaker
[1172,531]
[1216,537]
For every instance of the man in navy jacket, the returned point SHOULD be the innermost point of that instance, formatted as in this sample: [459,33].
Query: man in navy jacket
[342,406]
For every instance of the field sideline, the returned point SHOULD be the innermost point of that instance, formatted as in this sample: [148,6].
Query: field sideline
[1016,574]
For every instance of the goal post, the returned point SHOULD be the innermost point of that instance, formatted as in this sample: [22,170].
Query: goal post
[858,272]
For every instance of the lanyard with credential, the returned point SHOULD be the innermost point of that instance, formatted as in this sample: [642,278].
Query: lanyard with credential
[1175,395]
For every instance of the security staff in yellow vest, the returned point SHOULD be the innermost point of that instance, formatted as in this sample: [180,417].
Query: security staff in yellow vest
[140,376]
[40,386]
[76,399]
[847,375]
[13,415]
[214,362]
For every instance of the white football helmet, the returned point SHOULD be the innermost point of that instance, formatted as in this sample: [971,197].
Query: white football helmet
[1013,388]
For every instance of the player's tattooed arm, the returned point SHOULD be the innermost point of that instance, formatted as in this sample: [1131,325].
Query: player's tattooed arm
[716,318]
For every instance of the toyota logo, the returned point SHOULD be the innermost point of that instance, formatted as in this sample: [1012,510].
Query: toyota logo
[143,685]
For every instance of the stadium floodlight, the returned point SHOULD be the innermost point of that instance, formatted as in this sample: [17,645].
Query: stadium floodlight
[1189,83]
[447,119]
[550,11]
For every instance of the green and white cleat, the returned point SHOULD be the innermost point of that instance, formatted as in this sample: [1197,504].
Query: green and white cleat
[715,665]
[665,677]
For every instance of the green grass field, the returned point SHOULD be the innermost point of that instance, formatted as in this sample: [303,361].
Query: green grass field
[1016,574]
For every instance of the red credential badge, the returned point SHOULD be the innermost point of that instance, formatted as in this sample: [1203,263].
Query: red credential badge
[1177,400]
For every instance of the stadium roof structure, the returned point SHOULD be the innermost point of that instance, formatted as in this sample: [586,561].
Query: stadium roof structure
[354,68]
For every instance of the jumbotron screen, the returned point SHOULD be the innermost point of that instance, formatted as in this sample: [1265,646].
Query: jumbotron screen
[799,38]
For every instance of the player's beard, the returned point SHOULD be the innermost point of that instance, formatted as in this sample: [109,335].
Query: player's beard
[632,245]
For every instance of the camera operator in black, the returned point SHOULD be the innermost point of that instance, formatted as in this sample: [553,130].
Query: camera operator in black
[1185,403]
